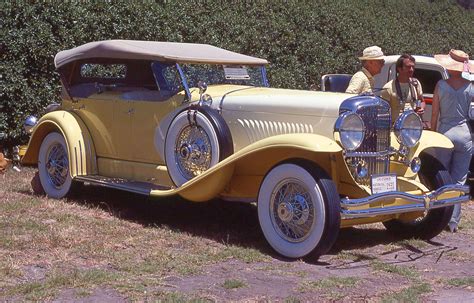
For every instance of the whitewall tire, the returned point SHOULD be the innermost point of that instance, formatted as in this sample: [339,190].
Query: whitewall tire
[299,209]
[53,166]
[197,139]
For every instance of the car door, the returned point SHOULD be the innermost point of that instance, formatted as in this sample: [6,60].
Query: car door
[151,111]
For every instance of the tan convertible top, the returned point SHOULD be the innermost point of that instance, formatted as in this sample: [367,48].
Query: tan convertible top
[151,50]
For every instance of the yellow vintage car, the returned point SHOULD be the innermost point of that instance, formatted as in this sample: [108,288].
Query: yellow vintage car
[162,119]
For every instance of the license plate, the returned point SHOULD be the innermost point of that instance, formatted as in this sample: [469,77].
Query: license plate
[383,183]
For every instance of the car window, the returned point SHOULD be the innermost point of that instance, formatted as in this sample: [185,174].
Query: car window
[428,79]
[108,71]
[166,77]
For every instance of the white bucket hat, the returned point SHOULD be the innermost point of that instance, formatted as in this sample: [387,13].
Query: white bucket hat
[372,53]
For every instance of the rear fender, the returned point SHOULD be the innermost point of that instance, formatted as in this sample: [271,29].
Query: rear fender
[82,156]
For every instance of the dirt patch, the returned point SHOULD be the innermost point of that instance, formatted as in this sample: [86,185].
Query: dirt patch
[102,245]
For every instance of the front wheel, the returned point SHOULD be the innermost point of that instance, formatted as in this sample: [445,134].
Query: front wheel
[299,209]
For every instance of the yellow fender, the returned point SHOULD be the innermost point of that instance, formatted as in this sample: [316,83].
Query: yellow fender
[241,173]
[82,156]
[426,144]
[429,137]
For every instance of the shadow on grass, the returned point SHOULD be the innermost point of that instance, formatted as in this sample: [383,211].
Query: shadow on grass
[232,223]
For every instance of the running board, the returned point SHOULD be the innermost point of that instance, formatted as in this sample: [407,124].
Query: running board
[142,188]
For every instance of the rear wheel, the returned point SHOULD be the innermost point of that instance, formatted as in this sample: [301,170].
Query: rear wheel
[299,209]
[434,221]
[53,166]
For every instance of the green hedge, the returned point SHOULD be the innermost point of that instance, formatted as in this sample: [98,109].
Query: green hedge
[302,39]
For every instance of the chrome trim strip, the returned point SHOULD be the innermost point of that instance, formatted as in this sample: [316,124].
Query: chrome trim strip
[420,202]
[463,189]
[185,83]
[378,154]
[364,213]
[113,185]
[263,71]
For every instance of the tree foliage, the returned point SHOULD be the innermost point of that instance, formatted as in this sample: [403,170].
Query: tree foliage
[301,39]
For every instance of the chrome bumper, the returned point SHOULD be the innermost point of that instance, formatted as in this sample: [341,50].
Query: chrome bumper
[418,202]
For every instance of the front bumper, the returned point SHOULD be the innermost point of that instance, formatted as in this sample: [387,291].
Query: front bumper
[413,202]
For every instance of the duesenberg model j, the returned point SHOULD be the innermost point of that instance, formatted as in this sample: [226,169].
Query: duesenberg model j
[161,119]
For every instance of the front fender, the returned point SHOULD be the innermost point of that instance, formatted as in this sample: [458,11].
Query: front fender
[240,174]
[432,143]
[433,140]
[82,156]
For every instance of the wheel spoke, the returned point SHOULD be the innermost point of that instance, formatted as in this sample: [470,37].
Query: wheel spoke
[293,210]
[199,158]
[57,165]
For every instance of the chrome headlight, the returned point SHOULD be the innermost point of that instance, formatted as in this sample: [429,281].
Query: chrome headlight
[29,123]
[408,128]
[351,129]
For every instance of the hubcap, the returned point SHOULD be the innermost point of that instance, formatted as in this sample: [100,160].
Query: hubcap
[57,165]
[193,151]
[292,210]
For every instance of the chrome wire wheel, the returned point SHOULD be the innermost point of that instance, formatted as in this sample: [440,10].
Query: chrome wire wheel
[298,209]
[292,210]
[53,166]
[193,151]
[197,140]
[57,165]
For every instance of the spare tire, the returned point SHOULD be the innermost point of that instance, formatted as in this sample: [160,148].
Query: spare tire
[197,139]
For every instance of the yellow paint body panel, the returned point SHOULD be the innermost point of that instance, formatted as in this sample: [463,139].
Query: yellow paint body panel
[82,156]
[231,176]
[426,142]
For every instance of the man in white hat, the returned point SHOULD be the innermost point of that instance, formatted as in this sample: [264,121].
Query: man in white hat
[372,62]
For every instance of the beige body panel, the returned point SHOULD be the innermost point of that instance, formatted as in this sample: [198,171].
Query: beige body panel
[82,156]
[425,144]
[236,174]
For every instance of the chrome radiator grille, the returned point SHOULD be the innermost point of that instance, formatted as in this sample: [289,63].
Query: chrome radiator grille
[377,121]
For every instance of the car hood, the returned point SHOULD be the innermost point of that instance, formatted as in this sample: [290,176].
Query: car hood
[276,100]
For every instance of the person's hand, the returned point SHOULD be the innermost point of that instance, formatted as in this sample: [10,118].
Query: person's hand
[420,111]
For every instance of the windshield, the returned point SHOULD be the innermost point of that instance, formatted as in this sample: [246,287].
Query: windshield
[224,74]
[174,77]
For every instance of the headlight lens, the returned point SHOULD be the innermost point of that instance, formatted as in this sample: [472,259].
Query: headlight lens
[351,130]
[408,128]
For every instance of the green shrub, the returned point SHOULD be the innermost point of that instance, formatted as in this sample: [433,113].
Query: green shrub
[302,39]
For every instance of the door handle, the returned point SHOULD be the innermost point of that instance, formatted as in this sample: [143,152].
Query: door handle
[82,106]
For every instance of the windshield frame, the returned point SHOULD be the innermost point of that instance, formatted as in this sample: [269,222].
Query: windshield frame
[263,74]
